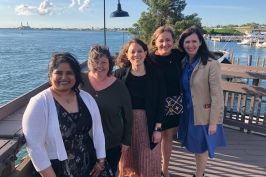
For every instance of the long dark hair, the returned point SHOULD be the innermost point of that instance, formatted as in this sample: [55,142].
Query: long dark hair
[203,51]
[65,57]
[121,60]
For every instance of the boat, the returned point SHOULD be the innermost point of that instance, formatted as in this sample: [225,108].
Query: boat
[260,44]
[252,37]
[222,56]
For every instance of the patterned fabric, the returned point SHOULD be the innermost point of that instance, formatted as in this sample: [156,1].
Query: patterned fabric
[75,129]
[140,160]
[173,105]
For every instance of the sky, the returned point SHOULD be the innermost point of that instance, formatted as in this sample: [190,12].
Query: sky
[89,13]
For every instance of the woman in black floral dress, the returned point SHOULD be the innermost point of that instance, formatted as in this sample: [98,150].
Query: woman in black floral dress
[62,125]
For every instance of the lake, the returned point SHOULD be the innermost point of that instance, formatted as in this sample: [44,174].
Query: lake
[24,54]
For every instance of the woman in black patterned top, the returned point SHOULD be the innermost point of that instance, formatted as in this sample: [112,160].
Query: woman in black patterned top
[57,123]
[167,61]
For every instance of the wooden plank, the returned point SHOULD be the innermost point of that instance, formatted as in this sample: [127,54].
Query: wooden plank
[243,88]
[241,71]
[244,155]
[3,142]
[238,107]
[259,101]
[8,149]
[24,169]
[8,129]
[16,104]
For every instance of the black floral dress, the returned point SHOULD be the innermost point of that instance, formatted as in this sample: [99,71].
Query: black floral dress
[79,146]
[75,129]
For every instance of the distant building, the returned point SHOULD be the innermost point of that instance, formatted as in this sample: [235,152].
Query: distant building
[24,27]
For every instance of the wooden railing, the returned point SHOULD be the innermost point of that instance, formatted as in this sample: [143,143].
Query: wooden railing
[245,105]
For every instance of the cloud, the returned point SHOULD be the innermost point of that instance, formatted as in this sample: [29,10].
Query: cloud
[85,5]
[81,4]
[25,10]
[45,8]
[74,2]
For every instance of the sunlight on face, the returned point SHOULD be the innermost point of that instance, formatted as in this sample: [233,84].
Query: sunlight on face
[164,43]
[62,78]
[191,45]
[136,54]
[100,65]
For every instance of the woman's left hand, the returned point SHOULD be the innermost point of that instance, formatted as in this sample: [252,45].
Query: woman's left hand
[212,129]
[156,137]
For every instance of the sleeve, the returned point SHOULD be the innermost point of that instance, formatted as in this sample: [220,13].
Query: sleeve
[34,126]
[97,130]
[161,97]
[127,115]
[215,85]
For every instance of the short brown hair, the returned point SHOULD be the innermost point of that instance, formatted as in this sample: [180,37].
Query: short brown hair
[98,51]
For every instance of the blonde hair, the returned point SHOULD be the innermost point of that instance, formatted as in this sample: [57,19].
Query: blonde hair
[159,31]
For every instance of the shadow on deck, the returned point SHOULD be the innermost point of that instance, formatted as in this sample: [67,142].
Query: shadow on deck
[244,155]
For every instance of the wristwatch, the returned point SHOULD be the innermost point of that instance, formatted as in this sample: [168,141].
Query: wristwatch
[158,129]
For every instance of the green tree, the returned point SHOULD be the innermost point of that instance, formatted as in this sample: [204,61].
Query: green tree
[162,12]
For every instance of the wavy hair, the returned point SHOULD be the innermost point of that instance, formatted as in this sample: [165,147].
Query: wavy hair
[98,51]
[122,60]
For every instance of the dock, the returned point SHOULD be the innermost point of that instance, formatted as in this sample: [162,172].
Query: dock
[244,119]
[244,155]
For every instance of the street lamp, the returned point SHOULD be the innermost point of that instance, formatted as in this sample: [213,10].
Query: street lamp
[118,13]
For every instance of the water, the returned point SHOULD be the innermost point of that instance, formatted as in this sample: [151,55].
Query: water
[24,55]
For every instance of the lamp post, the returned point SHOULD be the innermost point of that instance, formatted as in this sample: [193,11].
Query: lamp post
[118,13]
[104,29]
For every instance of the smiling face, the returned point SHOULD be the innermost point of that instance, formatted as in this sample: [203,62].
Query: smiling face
[99,66]
[164,43]
[62,78]
[191,45]
[136,54]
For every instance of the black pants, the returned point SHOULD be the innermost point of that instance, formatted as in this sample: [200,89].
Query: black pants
[113,156]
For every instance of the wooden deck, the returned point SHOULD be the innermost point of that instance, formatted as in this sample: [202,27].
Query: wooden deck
[241,71]
[244,155]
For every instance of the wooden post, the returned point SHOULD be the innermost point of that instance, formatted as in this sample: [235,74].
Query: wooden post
[249,60]
[237,61]
[258,61]
[232,61]
[232,55]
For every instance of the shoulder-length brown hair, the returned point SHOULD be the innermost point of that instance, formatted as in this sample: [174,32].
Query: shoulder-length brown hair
[122,60]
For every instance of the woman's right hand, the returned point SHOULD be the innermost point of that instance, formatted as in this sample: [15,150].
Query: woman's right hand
[48,172]
[98,167]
